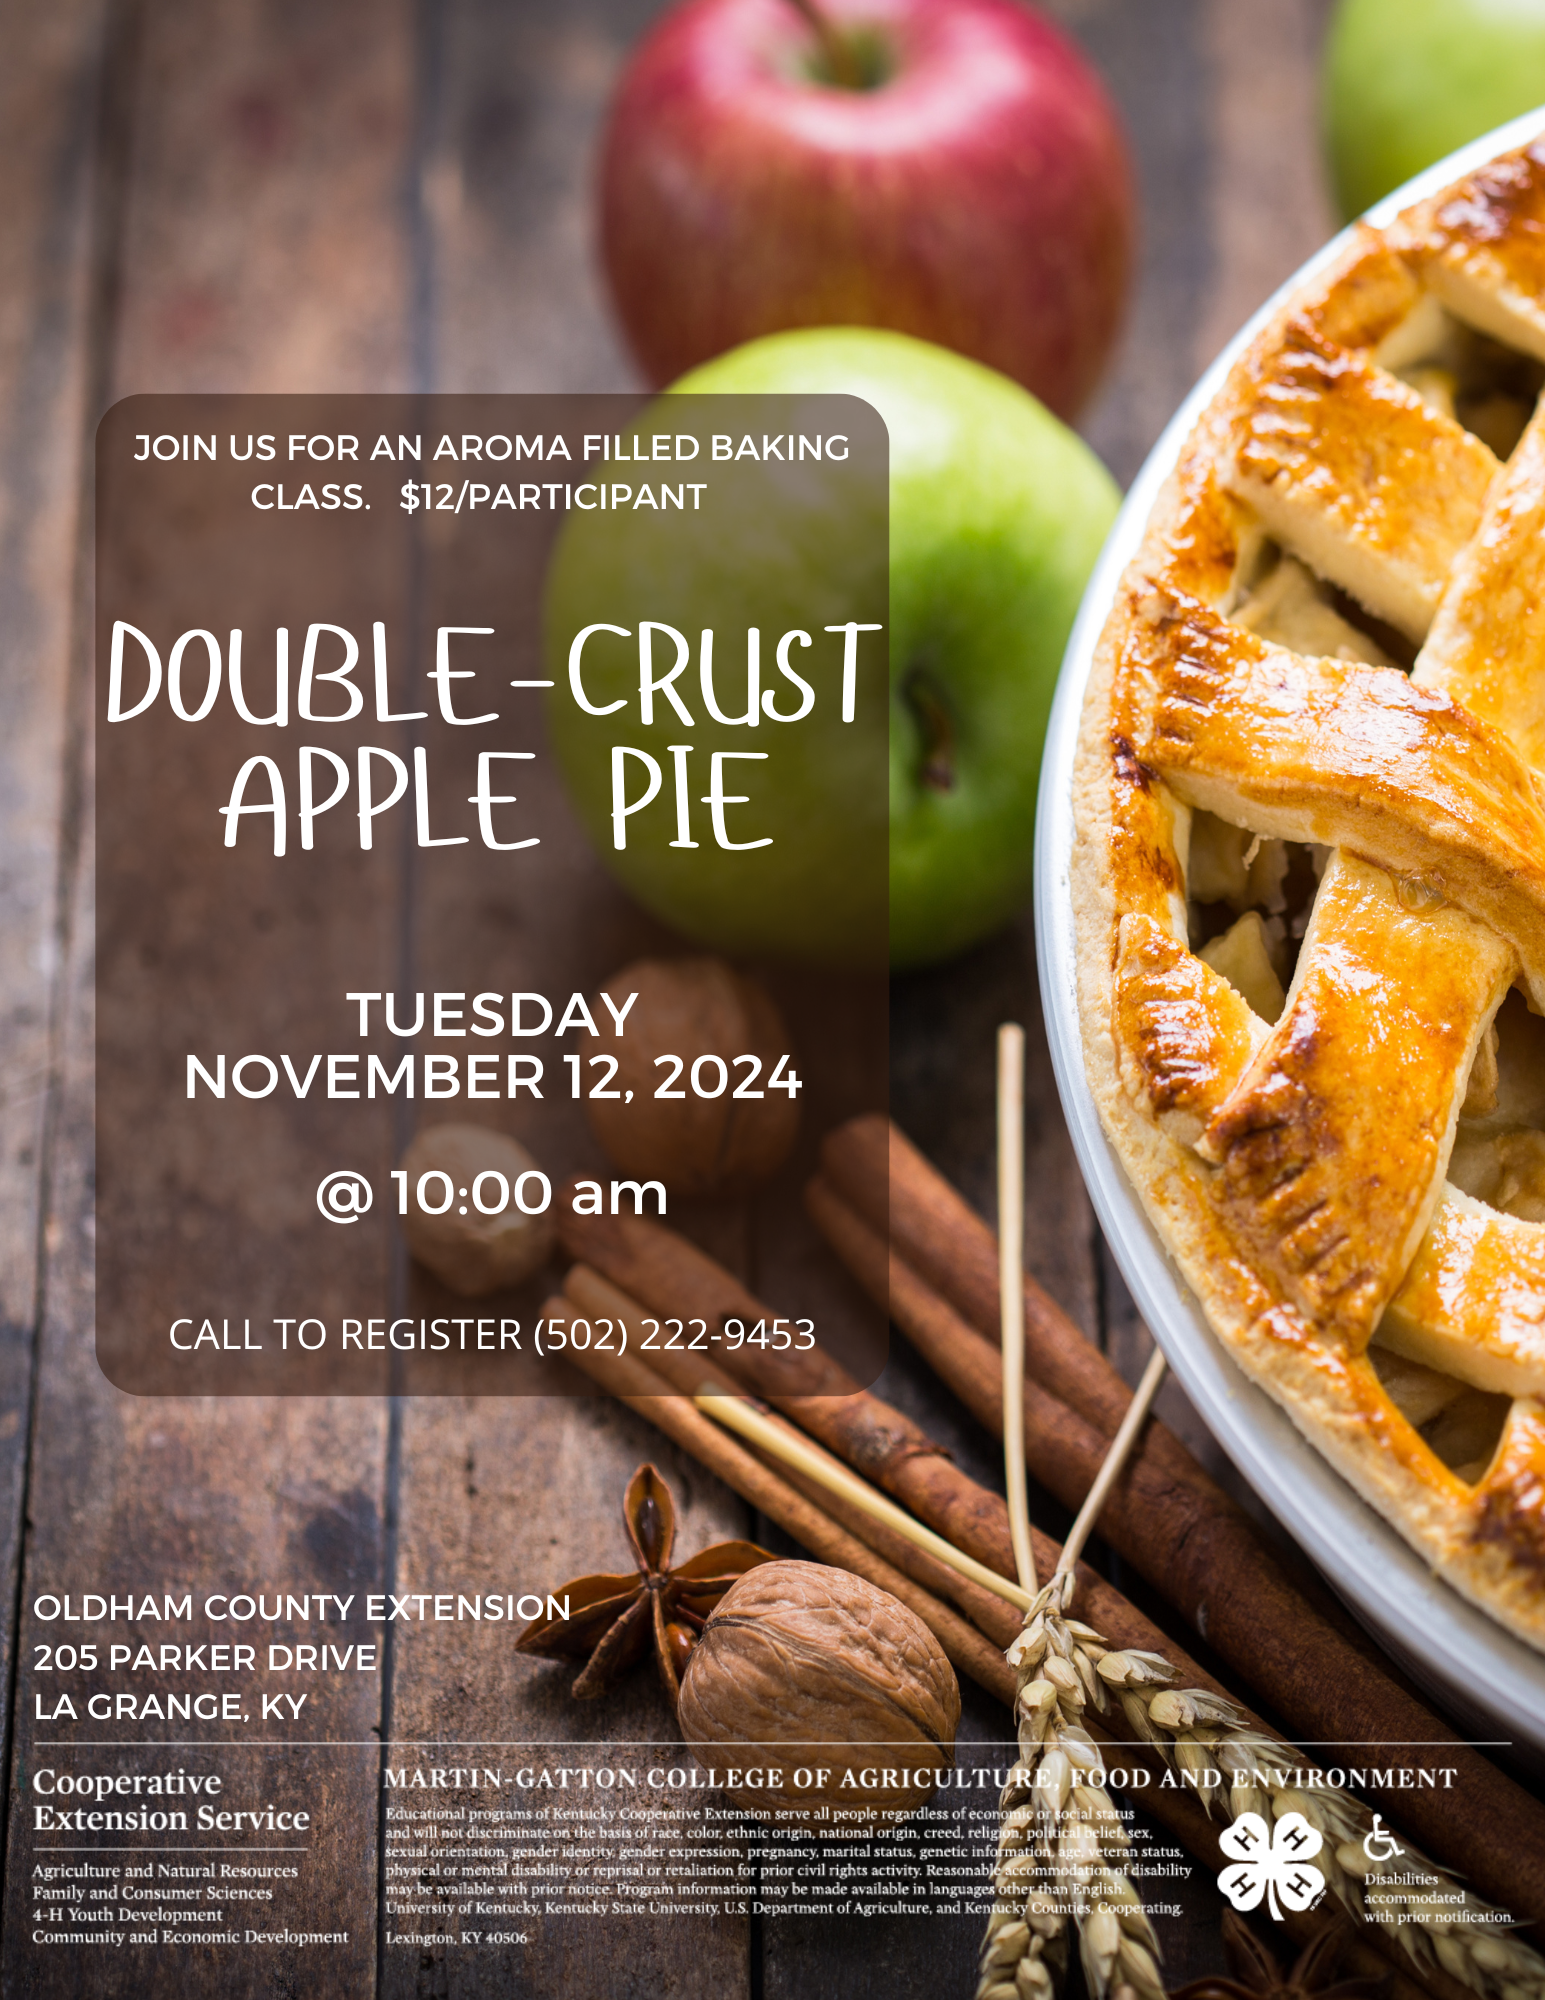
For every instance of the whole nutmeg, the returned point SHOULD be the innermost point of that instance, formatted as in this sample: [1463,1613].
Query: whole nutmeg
[468,1247]
[813,1675]
[726,1037]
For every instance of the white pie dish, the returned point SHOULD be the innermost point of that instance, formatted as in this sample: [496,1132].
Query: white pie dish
[1490,1682]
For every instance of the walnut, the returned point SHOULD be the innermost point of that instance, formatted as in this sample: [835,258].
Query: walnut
[469,1250]
[808,1669]
[697,1144]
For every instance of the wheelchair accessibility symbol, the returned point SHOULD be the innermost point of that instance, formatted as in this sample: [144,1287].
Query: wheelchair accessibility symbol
[1381,1845]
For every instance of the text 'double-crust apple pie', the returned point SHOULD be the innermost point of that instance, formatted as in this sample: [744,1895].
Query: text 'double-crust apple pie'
[1309,872]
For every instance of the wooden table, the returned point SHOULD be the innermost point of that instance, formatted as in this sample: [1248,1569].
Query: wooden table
[245,196]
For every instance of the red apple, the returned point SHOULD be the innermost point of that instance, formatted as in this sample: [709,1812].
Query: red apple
[968,184]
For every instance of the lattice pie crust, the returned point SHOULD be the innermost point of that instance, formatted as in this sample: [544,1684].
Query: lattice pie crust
[1317,726]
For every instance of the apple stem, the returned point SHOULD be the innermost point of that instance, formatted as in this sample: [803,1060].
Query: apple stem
[840,59]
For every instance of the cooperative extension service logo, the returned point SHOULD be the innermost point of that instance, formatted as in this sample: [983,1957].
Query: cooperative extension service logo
[1275,1862]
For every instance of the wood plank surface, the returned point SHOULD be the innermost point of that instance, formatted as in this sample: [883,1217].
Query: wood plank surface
[50,102]
[229,274]
[354,196]
[513,102]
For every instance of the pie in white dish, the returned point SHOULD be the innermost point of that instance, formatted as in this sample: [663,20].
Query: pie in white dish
[1309,872]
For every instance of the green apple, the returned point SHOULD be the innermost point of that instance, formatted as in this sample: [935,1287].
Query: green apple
[717,597]
[996,515]
[1407,81]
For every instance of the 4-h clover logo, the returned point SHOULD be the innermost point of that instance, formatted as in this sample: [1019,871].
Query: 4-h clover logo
[1272,1861]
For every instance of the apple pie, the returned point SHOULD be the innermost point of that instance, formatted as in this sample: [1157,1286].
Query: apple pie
[1309,872]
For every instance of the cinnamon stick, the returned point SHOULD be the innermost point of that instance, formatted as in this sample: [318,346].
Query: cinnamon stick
[880,1173]
[670,1277]
[631,1382]
[690,1374]
[628,1379]
[1099,1603]
[1166,1516]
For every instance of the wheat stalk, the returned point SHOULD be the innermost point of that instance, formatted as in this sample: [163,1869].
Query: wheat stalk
[1209,1744]
[1062,1848]
[1062,1667]
[1431,1914]
[1061,1844]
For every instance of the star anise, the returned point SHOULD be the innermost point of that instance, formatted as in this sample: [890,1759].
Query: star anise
[1257,1974]
[613,1618]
